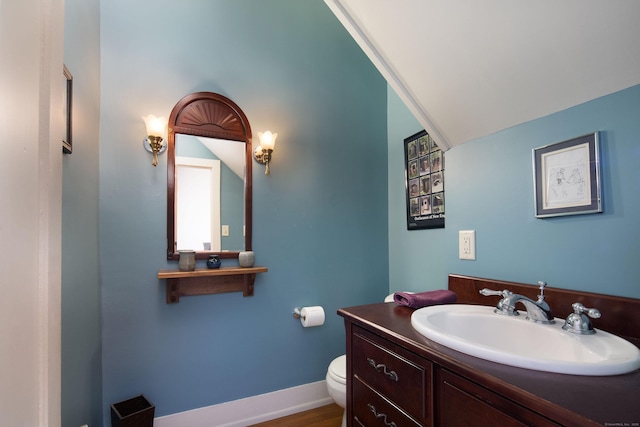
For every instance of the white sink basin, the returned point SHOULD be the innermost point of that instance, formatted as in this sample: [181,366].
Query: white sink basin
[515,341]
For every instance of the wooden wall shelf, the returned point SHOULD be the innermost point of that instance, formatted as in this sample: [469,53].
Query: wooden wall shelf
[209,281]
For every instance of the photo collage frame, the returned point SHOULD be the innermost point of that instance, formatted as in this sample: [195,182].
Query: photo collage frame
[424,182]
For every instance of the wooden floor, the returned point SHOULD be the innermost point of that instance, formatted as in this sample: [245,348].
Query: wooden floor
[325,416]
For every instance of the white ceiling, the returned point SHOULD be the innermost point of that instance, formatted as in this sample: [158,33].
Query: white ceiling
[469,68]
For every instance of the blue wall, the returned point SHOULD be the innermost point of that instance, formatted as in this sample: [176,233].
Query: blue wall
[320,218]
[489,189]
[81,330]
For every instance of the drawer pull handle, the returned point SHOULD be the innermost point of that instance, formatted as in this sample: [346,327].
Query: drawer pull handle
[377,367]
[384,416]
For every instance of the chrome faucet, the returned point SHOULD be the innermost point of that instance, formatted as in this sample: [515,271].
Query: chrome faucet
[537,311]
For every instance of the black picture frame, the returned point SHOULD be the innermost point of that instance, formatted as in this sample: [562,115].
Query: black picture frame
[67,144]
[566,177]
[424,182]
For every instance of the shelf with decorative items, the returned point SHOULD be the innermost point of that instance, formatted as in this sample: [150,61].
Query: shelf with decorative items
[209,281]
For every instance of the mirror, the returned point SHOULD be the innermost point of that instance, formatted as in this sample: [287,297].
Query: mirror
[209,201]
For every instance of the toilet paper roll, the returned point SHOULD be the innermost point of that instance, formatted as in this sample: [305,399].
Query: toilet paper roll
[312,316]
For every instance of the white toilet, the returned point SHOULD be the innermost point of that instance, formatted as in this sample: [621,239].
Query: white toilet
[337,379]
[337,383]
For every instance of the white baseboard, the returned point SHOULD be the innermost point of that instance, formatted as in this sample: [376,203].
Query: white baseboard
[252,410]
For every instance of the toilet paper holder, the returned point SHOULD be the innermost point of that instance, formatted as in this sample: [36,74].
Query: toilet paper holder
[309,316]
[297,313]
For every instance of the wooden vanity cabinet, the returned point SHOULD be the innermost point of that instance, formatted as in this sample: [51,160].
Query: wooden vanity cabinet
[397,377]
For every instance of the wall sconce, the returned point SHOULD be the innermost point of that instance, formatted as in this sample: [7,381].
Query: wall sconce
[156,128]
[263,152]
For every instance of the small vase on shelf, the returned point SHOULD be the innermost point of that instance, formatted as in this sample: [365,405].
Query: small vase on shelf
[187,260]
[213,261]
[246,259]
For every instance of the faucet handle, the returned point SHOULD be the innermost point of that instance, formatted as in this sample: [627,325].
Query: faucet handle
[578,322]
[578,308]
[504,306]
[489,292]
[541,285]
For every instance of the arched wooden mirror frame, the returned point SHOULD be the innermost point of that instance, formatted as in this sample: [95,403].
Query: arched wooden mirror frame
[209,115]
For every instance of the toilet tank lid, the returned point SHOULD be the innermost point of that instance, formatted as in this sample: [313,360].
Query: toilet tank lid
[339,366]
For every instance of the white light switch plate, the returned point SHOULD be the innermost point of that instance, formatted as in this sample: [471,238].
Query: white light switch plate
[467,244]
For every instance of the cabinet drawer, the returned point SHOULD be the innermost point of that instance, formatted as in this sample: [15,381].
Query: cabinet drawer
[395,373]
[462,402]
[373,410]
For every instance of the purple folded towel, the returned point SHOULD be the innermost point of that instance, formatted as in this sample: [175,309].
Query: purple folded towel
[424,299]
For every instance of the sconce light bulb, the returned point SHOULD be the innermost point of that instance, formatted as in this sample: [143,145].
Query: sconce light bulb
[267,139]
[156,126]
